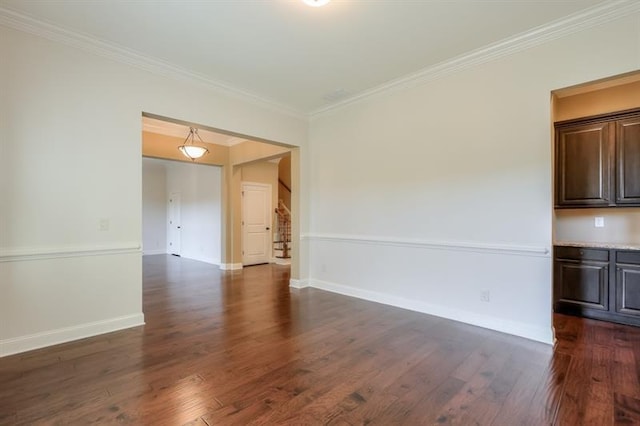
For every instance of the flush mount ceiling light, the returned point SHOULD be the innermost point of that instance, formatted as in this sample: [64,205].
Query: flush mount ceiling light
[189,147]
[316,3]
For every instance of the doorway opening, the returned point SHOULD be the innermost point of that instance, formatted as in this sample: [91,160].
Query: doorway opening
[596,195]
[241,160]
[181,209]
[175,229]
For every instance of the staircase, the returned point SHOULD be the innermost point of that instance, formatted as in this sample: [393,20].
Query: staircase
[282,235]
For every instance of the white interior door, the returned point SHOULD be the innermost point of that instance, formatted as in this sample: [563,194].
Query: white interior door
[256,223]
[175,228]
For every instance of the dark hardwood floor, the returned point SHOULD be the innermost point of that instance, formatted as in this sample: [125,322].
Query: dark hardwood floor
[237,348]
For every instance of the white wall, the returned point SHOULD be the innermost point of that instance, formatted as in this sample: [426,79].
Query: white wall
[426,196]
[200,208]
[154,206]
[462,203]
[70,144]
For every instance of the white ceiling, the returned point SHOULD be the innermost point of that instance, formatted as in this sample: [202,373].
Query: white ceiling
[296,56]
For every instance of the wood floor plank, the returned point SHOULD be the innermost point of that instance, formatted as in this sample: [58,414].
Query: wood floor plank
[240,347]
[625,373]
[456,410]
[627,410]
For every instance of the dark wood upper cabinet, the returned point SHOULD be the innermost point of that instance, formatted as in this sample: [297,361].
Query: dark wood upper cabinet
[597,161]
[583,165]
[628,161]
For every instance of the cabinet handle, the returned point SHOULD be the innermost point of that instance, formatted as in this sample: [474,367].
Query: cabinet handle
[581,252]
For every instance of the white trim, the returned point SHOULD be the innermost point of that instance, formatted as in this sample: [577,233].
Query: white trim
[153,252]
[493,323]
[298,283]
[40,253]
[494,248]
[206,260]
[230,266]
[67,334]
[597,15]
[20,22]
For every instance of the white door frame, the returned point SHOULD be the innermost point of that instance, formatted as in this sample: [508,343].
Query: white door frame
[174,235]
[269,219]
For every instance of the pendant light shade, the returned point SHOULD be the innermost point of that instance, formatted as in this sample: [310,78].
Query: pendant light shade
[316,3]
[190,149]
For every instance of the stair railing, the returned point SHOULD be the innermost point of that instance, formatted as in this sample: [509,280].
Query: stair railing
[283,229]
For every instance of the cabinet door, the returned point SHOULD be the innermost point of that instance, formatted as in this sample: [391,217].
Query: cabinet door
[628,289]
[583,165]
[581,285]
[628,161]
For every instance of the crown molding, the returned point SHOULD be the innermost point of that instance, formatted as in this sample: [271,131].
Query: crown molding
[597,15]
[24,23]
[600,14]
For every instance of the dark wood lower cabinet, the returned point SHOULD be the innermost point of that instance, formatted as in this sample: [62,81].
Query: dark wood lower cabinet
[628,289]
[583,284]
[597,283]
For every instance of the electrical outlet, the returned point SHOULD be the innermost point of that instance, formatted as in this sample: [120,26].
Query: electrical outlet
[103,225]
[598,222]
[485,296]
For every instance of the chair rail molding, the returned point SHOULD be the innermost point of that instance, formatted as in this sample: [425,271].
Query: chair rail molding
[481,247]
[41,253]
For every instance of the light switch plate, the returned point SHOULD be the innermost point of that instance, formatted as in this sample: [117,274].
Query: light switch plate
[103,225]
[599,222]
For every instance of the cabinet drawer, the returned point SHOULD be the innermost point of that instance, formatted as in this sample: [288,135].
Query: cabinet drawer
[581,253]
[632,257]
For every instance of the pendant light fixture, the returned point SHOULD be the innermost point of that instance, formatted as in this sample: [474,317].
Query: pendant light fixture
[189,147]
[316,3]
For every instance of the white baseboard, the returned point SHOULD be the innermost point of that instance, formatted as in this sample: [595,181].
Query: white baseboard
[298,283]
[505,326]
[230,266]
[67,334]
[153,252]
[208,260]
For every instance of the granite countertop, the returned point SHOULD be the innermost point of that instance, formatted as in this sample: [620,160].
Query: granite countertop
[617,246]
